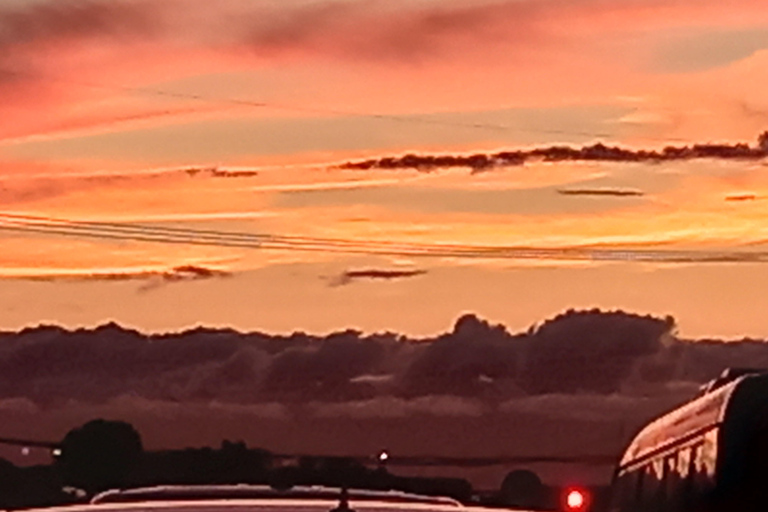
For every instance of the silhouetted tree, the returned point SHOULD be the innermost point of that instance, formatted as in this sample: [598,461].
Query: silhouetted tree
[522,488]
[10,479]
[99,455]
[457,488]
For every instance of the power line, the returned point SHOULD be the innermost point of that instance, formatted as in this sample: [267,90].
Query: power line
[112,231]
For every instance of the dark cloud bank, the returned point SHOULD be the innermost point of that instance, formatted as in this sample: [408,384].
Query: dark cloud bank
[597,152]
[580,383]
[575,353]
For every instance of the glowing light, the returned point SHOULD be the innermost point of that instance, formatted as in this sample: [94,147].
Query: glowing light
[25,451]
[383,456]
[56,452]
[575,500]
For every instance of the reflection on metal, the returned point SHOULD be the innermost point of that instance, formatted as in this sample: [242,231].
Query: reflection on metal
[701,455]
[188,493]
[728,375]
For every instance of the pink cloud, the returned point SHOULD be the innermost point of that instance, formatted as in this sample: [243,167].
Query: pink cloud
[353,29]
[62,61]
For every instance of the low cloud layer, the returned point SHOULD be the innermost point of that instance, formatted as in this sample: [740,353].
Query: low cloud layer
[598,152]
[592,352]
[578,384]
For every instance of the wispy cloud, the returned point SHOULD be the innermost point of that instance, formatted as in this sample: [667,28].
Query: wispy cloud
[610,192]
[22,25]
[153,278]
[741,197]
[27,187]
[34,32]
[216,172]
[598,152]
[348,276]
[399,30]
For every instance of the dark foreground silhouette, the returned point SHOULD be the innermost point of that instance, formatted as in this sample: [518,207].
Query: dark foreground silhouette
[102,455]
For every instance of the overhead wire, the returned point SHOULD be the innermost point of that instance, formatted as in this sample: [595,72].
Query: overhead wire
[21,223]
[144,233]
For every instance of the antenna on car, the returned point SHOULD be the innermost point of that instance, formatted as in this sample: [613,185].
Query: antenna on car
[343,505]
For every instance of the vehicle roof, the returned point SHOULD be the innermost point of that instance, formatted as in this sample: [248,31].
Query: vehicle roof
[696,416]
[248,491]
[261,505]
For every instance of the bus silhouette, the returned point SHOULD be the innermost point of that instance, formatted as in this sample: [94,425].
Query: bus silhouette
[709,455]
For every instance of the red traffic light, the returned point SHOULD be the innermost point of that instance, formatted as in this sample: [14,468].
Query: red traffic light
[576,500]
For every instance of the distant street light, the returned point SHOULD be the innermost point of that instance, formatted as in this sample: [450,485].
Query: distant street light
[383,457]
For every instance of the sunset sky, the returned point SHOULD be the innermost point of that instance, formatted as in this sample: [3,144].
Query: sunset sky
[204,140]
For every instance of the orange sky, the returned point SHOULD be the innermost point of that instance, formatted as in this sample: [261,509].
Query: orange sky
[108,103]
